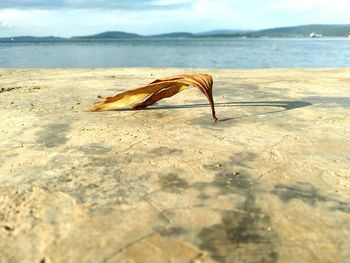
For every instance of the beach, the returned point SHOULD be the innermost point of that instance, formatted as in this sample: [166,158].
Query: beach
[268,182]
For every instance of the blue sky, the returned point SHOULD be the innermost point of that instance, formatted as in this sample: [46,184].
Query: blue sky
[81,17]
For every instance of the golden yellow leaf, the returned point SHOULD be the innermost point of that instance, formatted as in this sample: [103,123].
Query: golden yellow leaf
[142,97]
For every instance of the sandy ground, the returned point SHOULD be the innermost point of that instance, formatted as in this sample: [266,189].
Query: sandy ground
[269,182]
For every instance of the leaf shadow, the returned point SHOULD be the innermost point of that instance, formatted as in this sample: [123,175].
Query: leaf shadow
[283,105]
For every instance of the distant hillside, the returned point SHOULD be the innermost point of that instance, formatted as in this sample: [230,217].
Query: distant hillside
[223,32]
[174,35]
[109,35]
[22,39]
[304,31]
[121,35]
[296,31]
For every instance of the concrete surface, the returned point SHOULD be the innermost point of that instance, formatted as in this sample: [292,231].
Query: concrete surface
[269,182]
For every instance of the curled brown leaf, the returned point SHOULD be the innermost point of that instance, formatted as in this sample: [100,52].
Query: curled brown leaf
[142,97]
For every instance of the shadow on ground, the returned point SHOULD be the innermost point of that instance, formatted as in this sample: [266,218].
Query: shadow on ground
[284,105]
[341,101]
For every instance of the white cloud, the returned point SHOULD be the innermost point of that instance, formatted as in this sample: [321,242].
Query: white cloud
[158,16]
[25,17]
[94,4]
[172,2]
[4,25]
[335,6]
[312,11]
[39,22]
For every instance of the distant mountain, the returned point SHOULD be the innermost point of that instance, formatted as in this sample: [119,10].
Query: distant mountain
[223,32]
[174,35]
[109,35]
[295,31]
[123,35]
[22,39]
[304,31]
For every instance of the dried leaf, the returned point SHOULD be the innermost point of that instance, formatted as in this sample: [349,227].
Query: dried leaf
[159,89]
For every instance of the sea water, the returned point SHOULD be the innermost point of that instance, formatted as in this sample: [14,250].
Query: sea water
[187,53]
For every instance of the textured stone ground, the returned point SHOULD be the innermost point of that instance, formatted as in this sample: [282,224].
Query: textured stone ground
[269,182]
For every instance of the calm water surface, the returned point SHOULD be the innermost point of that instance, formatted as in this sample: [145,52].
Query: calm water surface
[193,53]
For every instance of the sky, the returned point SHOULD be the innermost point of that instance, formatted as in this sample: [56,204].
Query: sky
[83,17]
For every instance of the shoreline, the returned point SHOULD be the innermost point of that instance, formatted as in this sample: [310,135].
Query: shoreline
[269,181]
